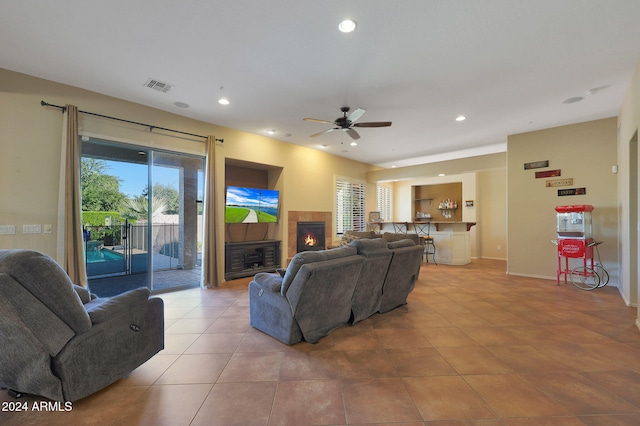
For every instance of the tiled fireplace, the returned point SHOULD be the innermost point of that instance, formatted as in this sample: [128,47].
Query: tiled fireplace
[302,217]
[310,236]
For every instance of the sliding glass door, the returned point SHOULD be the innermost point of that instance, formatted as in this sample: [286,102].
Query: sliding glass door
[142,217]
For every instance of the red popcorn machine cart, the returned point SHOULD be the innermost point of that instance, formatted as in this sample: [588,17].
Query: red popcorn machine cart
[575,241]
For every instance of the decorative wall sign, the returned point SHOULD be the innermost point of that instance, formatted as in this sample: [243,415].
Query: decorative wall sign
[548,173]
[559,182]
[536,165]
[572,191]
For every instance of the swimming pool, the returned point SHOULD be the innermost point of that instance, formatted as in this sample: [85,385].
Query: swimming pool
[104,255]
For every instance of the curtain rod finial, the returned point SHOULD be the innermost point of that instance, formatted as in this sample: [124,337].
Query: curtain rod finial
[220,140]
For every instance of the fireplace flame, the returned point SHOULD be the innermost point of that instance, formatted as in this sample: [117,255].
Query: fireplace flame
[309,240]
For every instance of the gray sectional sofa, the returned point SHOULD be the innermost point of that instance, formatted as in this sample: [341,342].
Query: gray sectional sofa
[323,290]
[58,340]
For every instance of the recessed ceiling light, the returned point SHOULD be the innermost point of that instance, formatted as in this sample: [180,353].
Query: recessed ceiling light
[323,146]
[354,143]
[347,26]
[271,132]
[181,104]
[223,101]
[461,118]
[441,174]
[573,100]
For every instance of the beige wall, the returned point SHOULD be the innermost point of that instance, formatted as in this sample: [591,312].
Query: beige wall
[491,204]
[584,152]
[30,138]
[628,184]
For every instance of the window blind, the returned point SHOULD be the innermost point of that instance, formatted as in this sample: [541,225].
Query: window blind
[350,206]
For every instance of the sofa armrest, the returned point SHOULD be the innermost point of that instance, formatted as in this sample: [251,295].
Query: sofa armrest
[101,311]
[271,282]
[84,294]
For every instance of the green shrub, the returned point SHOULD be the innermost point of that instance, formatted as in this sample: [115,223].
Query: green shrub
[98,218]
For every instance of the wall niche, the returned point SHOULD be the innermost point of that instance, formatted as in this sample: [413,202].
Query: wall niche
[252,175]
[427,198]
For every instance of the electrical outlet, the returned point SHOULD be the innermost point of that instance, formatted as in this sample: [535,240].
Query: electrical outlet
[499,247]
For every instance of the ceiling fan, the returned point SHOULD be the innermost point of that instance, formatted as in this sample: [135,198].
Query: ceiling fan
[347,122]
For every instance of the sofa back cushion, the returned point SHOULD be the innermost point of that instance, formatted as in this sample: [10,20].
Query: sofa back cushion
[400,243]
[392,237]
[41,276]
[362,234]
[20,310]
[370,246]
[312,256]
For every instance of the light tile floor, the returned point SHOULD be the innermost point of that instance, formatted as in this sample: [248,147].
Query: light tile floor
[473,346]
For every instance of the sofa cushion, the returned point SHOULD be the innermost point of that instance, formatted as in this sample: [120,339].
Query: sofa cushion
[400,243]
[349,236]
[370,246]
[391,237]
[362,234]
[101,310]
[313,256]
[271,282]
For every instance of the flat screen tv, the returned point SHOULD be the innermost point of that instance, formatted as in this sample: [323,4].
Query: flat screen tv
[251,205]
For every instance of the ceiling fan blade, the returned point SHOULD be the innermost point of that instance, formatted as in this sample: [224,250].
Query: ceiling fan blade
[354,135]
[373,124]
[316,120]
[355,114]
[315,135]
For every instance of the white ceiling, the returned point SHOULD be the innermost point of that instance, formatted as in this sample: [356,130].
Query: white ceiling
[507,65]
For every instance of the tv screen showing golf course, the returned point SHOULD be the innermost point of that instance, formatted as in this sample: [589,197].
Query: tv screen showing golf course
[251,205]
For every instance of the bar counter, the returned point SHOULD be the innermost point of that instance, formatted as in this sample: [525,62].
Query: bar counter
[451,238]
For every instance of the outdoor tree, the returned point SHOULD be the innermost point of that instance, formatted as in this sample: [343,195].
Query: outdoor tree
[165,200]
[169,195]
[138,207]
[100,191]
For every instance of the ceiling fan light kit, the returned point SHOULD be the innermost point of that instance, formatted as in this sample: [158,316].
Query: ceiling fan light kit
[346,123]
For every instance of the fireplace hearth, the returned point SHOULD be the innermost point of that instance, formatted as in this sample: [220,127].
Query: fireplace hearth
[310,236]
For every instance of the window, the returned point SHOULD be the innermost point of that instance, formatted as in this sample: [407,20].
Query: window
[350,205]
[384,195]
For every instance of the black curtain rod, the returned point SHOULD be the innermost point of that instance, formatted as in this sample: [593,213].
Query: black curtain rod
[151,127]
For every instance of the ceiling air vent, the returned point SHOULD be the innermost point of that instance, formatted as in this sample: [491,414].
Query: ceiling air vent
[158,85]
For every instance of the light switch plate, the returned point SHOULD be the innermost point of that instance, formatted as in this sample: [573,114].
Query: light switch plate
[7,229]
[31,229]
[47,228]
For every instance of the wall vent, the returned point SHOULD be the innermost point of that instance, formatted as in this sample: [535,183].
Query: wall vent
[158,85]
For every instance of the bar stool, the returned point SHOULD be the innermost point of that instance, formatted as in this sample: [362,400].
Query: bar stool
[424,230]
[400,227]
[374,226]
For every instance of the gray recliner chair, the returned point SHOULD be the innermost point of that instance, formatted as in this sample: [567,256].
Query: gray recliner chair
[402,274]
[312,298]
[368,292]
[59,341]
